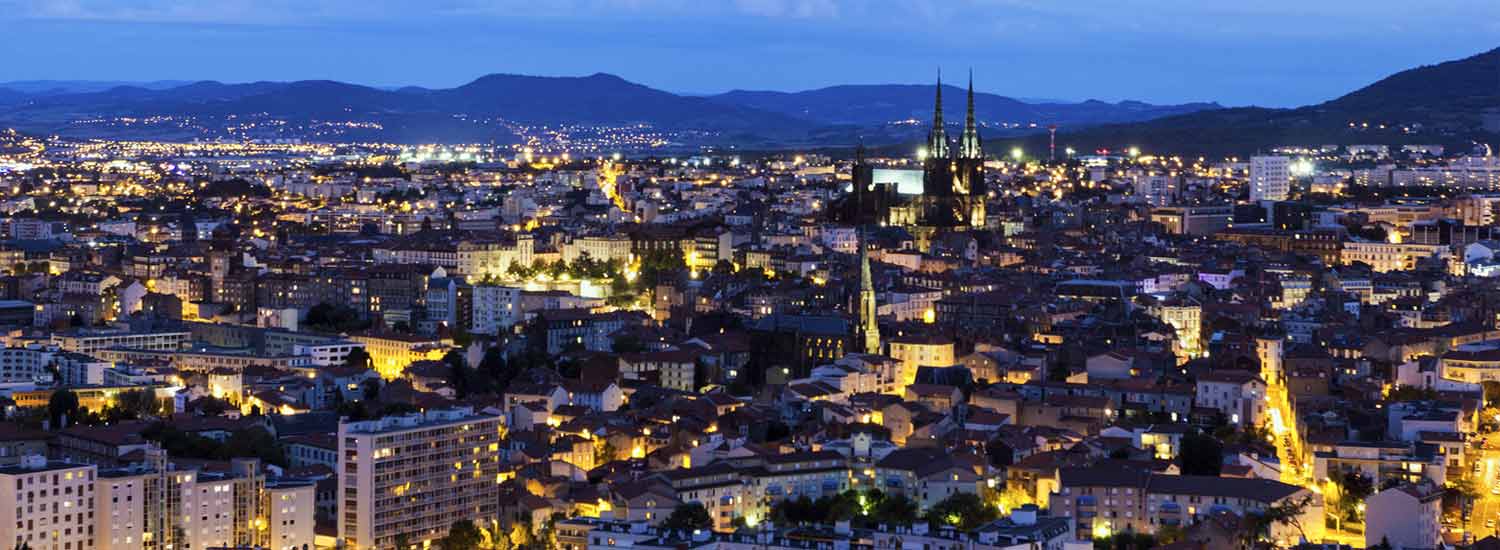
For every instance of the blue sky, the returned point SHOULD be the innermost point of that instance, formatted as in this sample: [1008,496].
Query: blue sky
[1266,52]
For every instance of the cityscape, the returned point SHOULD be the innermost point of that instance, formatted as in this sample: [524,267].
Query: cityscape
[587,313]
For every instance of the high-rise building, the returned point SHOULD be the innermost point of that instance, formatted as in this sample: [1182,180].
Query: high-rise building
[1270,178]
[496,308]
[1155,189]
[156,506]
[152,505]
[47,504]
[406,479]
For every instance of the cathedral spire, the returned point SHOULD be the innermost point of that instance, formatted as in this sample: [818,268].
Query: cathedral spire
[969,146]
[937,138]
[868,328]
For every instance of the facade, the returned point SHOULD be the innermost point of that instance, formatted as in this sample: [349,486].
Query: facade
[1406,516]
[408,478]
[496,309]
[1239,396]
[1270,178]
[1383,257]
[47,505]
[952,190]
[916,351]
[1105,500]
[391,353]
[26,364]
[90,342]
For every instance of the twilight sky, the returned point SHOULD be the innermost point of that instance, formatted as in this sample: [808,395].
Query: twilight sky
[1264,52]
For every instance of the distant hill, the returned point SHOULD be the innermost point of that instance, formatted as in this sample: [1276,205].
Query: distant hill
[474,111]
[30,87]
[1448,103]
[885,103]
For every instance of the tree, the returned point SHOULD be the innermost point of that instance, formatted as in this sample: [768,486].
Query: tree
[1353,488]
[137,404]
[462,535]
[1126,541]
[61,407]
[628,343]
[358,357]
[1201,455]
[1287,512]
[328,317]
[689,517]
[369,390]
[605,453]
[893,509]
[962,510]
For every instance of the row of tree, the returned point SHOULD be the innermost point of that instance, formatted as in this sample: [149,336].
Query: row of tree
[63,408]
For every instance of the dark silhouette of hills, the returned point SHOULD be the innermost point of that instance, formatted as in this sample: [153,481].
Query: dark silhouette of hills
[884,103]
[1453,102]
[825,117]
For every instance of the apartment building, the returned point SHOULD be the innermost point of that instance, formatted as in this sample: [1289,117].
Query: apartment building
[1109,498]
[391,353]
[496,308]
[156,505]
[47,505]
[26,364]
[90,342]
[1238,395]
[410,477]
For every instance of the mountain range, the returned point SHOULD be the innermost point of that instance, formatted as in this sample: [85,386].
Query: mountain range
[490,108]
[1448,103]
[1451,103]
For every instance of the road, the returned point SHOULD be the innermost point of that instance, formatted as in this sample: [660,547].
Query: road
[1487,506]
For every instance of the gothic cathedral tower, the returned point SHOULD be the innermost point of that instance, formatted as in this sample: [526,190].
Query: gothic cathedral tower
[969,179]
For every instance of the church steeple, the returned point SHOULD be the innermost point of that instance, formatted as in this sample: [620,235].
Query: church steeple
[868,332]
[937,138]
[969,146]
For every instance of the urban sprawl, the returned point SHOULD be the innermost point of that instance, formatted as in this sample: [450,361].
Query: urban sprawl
[291,346]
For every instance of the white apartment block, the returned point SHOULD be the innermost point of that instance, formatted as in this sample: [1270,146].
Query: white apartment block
[496,308]
[494,258]
[150,507]
[289,510]
[598,247]
[91,342]
[1270,178]
[410,477]
[28,364]
[1155,189]
[47,505]
[327,354]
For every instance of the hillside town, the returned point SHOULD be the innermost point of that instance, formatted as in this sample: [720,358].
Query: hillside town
[295,346]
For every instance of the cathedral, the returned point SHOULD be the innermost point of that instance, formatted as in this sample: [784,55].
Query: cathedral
[952,190]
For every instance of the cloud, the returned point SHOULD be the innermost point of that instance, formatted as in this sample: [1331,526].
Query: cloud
[305,11]
[801,9]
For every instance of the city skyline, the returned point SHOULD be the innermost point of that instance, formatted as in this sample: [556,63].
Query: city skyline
[1273,54]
